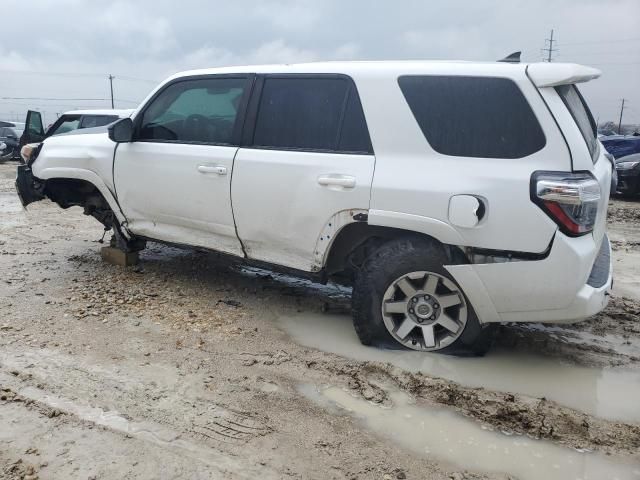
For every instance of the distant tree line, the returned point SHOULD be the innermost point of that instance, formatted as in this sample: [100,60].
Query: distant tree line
[625,129]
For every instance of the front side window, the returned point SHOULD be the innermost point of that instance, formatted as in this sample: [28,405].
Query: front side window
[581,114]
[194,111]
[298,113]
[66,124]
[473,116]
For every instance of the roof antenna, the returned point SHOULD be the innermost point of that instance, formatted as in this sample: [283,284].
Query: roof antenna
[512,58]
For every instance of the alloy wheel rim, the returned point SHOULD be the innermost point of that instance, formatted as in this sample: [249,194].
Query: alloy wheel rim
[424,311]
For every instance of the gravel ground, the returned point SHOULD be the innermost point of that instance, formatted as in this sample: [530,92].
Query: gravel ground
[178,368]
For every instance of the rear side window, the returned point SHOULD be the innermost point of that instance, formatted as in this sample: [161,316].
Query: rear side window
[581,114]
[311,114]
[473,116]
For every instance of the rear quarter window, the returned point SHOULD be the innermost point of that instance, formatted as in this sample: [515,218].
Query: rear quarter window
[580,112]
[484,117]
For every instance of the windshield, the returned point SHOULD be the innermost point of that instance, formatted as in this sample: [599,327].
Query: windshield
[582,115]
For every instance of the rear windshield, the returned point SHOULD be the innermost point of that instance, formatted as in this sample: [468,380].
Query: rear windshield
[484,117]
[582,115]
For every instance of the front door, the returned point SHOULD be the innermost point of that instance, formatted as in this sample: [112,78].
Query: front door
[307,164]
[173,180]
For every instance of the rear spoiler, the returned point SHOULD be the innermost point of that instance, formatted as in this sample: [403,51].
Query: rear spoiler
[554,74]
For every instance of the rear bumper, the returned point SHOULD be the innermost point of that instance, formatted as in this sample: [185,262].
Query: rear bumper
[570,285]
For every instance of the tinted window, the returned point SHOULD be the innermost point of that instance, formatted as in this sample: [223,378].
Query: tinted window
[581,114]
[92,121]
[308,114]
[200,111]
[473,116]
[354,136]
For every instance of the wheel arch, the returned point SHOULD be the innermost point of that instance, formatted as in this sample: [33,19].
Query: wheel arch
[356,240]
[80,178]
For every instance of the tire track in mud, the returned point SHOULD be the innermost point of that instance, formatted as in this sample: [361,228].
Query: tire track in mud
[218,425]
[513,413]
[223,426]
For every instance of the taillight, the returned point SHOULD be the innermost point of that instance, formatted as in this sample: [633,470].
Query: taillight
[570,199]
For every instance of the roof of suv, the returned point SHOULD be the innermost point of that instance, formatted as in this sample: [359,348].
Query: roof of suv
[542,73]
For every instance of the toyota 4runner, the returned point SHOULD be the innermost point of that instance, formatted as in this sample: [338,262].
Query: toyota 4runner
[451,195]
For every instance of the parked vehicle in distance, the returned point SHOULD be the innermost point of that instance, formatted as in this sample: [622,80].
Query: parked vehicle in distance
[10,133]
[628,169]
[68,122]
[400,178]
[620,145]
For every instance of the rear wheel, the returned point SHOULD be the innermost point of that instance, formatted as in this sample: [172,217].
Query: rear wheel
[404,298]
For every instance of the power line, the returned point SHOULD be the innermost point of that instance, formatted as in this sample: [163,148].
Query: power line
[594,42]
[69,74]
[52,98]
[550,49]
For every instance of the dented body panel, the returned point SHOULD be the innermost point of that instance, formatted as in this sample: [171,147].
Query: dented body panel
[288,206]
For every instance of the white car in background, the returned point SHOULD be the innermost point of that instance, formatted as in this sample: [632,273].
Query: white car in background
[68,122]
[451,195]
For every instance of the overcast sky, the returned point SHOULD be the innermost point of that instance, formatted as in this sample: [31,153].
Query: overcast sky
[64,49]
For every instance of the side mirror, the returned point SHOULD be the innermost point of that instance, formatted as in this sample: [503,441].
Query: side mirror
[121,131]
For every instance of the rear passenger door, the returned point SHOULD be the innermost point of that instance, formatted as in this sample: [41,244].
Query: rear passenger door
[306,157]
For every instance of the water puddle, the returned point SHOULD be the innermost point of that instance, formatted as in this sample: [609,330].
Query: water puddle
[463,443]
[603,392]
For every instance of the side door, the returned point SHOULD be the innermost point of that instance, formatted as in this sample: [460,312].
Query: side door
[305,165]
[173,180]
[33,128]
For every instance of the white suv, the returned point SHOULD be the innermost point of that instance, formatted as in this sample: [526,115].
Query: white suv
[452,195]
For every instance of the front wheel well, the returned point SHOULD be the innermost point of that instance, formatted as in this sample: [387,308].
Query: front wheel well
[70,192]
[356,241]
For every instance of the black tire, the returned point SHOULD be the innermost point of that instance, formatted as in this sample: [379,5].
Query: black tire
[8,154]
[388,263]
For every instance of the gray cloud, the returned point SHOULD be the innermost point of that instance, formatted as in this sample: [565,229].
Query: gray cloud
[150,39]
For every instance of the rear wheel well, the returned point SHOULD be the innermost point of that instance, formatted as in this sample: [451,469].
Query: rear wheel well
[356,241]
[70,192]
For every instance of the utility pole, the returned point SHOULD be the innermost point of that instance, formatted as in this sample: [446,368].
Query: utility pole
[549,50]
[111,77]
[620,121]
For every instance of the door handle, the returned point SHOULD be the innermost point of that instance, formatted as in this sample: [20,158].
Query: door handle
[337,180]
[219,169]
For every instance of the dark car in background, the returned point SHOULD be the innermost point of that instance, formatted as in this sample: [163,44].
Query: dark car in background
[626,151]
[10,133]
[628,169]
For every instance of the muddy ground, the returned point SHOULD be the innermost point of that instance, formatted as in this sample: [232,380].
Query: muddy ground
[187,366]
